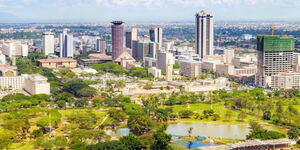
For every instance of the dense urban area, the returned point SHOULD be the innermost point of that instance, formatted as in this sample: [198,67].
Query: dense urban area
[134,86]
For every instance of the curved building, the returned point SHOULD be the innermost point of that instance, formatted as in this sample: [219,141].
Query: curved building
[117,30]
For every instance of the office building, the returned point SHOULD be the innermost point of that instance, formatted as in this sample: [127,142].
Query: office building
[164,59]
[141,49]
[101,46]
[117,30]
[190,68]
[131,36]
[275,55]
[204,34]
[66,44]
[48,43]
[156,35]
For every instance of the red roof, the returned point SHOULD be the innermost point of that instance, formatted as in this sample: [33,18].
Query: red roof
[56,60]
[100,56]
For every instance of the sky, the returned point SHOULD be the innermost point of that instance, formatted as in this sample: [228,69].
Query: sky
[148,10]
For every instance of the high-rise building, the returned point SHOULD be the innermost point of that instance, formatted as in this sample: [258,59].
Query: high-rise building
[66,44]
[131,36]
[156,35]
[275,55]
[204,34]
[140,49]
[48,43]
[128,40]
[101,46]
[117,30]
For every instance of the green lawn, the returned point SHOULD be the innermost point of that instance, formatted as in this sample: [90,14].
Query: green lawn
[218,108]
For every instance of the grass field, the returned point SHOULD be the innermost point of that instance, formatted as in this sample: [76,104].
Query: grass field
[218,108]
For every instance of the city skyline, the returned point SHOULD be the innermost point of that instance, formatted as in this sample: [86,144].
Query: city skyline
[130,10]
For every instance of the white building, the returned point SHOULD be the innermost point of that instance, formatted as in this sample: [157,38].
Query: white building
[48,43]
[164,59]
[285,81]
[2,58]
[155,72]
[36,84]
[9,49]
[11,83]
[25,50]
[204,34]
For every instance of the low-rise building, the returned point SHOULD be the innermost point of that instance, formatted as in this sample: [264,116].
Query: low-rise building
[285,81]
[223,69]
[36,84]
[155,72]
[56,63]
[11,83]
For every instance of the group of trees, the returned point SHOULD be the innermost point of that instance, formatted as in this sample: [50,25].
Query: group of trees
[258,132]
[275,106]
[116,69]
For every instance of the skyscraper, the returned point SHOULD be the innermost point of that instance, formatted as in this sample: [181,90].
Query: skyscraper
[66,44]
[274,55]
[131,36]
[117,30]
[204,34]
[156,35]
[48,43]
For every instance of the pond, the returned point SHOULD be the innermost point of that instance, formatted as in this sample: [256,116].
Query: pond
[209,130]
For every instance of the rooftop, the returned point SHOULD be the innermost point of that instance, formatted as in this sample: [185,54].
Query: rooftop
[56,60]
[100,56]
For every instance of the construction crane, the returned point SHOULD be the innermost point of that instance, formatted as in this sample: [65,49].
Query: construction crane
[273,27]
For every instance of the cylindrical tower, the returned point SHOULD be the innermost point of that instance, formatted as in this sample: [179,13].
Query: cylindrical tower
[117,30]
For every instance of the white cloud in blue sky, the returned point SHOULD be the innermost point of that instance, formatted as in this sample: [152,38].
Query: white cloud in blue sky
[151,10]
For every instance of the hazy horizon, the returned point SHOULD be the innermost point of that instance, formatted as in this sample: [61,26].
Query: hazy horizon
[146,10]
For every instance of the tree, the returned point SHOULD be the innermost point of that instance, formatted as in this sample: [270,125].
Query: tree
[185,114]
[85,119]
[60,142]
[139,123]
[74,86]
[190,131]
[294,133]
[161,141]
[109,67]
[116,115]
[267,115]
[6,138]
[228,115]
[257,132]
[87,92]
[131,142]
[110,145]
[242,116]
